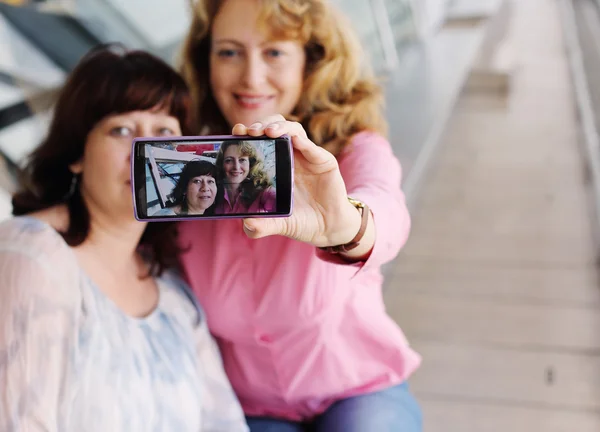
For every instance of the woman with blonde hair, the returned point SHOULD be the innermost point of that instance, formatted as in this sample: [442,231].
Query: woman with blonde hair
[247,188]
[298,314]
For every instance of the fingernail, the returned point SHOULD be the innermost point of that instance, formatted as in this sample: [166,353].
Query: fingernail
[274,126]
[255,126]
[249,228]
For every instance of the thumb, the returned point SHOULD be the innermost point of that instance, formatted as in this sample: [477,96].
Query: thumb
[258,227]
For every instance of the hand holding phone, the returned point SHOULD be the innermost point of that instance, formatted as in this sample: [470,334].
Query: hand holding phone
[323,215]
[218,177]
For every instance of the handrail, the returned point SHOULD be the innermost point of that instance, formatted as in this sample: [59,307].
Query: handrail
[584,102]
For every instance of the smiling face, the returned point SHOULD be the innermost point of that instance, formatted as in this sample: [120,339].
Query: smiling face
[105,166]
[201,193]
[236,165]
[252,76]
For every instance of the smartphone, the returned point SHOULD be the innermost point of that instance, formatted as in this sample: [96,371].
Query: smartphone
[211,177]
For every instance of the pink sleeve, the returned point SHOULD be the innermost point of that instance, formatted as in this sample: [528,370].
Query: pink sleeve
[372,174]
[268,200]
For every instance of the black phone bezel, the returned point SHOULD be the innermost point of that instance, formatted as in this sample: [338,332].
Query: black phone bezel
[283,168]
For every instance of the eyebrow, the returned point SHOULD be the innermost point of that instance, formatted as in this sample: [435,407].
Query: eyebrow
[240,44]
[231,41]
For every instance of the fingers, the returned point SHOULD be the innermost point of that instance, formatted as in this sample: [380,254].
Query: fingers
[258,227]
[240,129]
[272,126]
[276,126]
[279,128]
[314,154]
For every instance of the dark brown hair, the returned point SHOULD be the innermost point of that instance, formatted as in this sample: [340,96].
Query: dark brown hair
[109,80]
[193,168]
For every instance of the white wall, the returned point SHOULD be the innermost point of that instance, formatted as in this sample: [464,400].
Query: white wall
[430,15]
[142,24]
[5,206]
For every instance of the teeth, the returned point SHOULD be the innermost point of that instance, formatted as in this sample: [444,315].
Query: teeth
[252,100]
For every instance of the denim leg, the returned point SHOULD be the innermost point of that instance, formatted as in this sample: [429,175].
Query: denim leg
[390,410]
[265,424]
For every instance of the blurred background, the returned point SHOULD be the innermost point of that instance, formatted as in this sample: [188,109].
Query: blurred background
[493,109]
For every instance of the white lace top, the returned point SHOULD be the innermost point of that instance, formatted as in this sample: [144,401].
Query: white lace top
[72,361]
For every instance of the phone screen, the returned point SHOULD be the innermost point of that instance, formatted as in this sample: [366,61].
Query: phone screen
[211,177]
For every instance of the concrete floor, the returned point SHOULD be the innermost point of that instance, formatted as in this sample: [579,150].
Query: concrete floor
[498,285]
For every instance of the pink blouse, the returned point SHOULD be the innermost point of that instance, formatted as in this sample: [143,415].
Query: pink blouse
[300,329]
[265,201]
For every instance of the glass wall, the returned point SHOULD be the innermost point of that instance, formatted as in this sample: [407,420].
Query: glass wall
[364,20]
[402,20]
[384,26]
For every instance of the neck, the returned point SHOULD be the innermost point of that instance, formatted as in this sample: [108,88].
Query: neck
[114,240]
[233,189]
[194,210]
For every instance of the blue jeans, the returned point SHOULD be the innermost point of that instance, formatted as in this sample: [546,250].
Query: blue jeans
[391,410]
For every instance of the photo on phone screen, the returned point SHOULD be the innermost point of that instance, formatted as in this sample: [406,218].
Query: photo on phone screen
[211,177]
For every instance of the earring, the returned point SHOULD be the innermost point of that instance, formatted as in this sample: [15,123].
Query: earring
[73,187]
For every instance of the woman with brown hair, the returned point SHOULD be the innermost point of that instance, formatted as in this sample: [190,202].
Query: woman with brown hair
[247,188]
[296,304]
[97,333]
[195,192]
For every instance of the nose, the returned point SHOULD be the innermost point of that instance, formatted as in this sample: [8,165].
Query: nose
[204,185]
[144,129]
[254,71]
[236,165]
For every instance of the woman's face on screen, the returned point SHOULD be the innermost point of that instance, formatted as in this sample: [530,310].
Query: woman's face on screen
[201,193]
[235,165]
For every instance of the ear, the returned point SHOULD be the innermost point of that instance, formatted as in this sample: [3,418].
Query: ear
[77,167]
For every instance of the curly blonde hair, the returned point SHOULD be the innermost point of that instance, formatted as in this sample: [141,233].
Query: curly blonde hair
[340,95]
[257,179]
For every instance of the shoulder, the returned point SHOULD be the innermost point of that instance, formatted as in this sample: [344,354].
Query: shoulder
[167,211]
[179,298]
[35,262]
[33,237]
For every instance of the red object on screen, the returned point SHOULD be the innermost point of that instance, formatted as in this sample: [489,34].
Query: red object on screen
[197,148]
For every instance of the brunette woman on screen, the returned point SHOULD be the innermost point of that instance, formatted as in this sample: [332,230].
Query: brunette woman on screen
[195,191]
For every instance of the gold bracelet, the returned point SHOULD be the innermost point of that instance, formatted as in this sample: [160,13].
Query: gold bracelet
[364,209]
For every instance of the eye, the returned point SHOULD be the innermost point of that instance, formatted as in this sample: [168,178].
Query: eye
[196,181]
[227,53]
[274,52]
[165,131]
[121,131]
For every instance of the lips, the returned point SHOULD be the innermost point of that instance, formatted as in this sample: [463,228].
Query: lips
[252,101]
